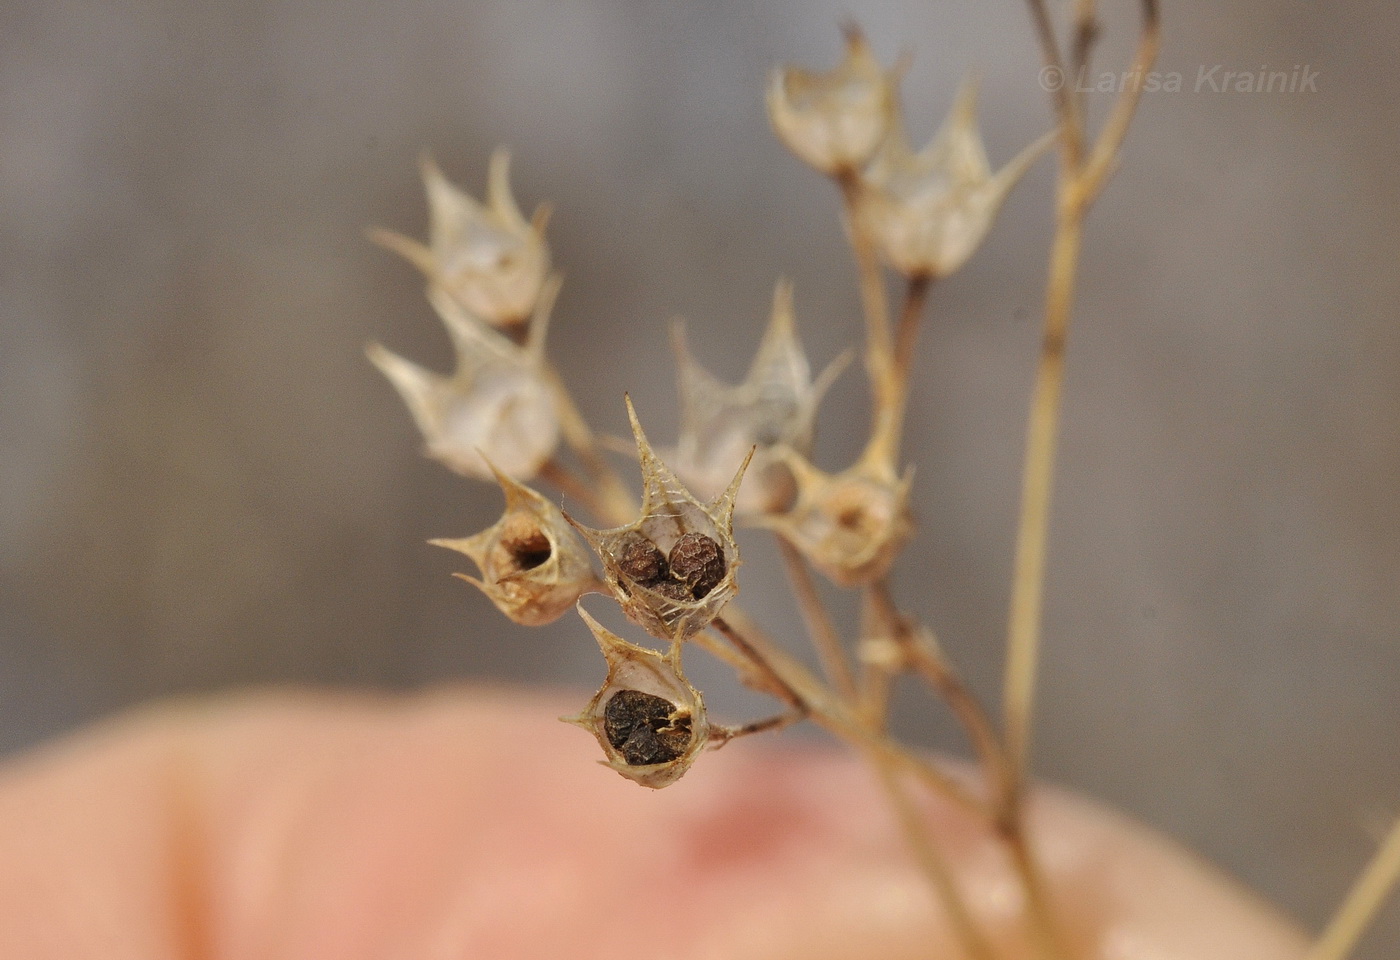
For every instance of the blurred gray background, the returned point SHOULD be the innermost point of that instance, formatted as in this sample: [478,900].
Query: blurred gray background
[203,484]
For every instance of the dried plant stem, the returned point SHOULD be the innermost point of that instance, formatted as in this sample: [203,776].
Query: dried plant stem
[820,628]
[893,394]
[1367,895]
[924,656]
[1082,177]
[932,862]
[834,715]
[1028,577]
[888,761]
[907,332]
[879,347]
[922,653]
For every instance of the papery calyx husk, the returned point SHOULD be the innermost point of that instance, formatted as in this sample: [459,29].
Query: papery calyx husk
[499,406]
[649,720]
[849,525]
[486,256]
[929,211]
[835,120]
[532,564]
[774,406]
[637,556]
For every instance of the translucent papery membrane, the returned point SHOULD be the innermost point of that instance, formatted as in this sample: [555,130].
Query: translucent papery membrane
[676,519]
[507,413]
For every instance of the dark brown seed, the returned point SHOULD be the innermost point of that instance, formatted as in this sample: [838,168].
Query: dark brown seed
[672,590]
[639,726]
[697,560]
[640,559]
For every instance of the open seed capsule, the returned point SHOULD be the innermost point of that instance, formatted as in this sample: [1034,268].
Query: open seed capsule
[637,558]
[532,564]
[647,717]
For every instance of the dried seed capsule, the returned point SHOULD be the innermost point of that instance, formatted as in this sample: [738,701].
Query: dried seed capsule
[697,561]
[499,406]
[835,120]
[641,581]
[850,525]
[647,717]
[774,406]
[532,565]
[485,256]
[645,728]
[641,559]
[929,211]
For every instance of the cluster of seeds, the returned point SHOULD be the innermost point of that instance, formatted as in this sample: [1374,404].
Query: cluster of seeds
[644,728]
[694,568]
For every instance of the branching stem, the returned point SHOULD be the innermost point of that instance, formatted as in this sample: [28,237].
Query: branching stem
[1083,174]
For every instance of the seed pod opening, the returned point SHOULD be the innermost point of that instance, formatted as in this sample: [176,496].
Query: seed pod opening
[648,719]
[644,728]
[533,566]
[639,558]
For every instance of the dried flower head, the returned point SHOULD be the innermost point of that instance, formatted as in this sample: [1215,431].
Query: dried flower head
[487,257]
[647,717]
[533,566]
[775,405]
[653,565]
[835,120]
[499,407]
[929,211]
[850,525]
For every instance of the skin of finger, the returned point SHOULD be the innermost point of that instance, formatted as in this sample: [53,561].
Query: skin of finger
[468,823]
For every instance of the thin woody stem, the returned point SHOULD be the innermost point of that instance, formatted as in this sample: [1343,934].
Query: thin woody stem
[1104,155]
[879,346]
[1028,578]
[1369,893]
[925,657]
[1044,929]
[1081,179]
[1080,182]
[907,333]
[893,394]
[1086,33]
[1066,107]
[719,736]
[820,628]
[933,863]
[888,761]
[799,686]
